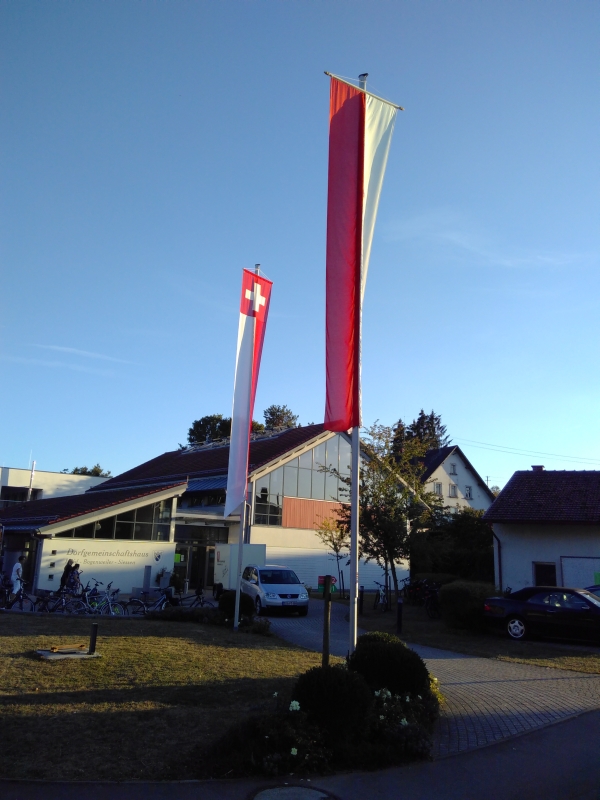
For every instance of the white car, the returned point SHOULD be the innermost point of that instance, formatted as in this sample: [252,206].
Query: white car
[274,586]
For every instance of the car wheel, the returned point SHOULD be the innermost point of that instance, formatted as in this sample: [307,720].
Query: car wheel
[303,611]
[516,628]
[258,607]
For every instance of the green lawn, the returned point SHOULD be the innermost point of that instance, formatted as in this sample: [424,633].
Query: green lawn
[158,689]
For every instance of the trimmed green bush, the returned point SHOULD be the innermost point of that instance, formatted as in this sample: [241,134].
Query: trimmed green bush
[436,577]
[182,614]
[227,604]
[385,662]
[334,699]
[462,604]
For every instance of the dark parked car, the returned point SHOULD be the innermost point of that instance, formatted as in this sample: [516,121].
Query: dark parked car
[548,611]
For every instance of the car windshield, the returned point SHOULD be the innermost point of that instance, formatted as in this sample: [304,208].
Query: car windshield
[592,598]
[278,576]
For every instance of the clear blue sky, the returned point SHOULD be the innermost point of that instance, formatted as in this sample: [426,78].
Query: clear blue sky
[151,150]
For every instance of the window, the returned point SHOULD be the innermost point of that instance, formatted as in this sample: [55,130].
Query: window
[544,574]
[148,523]
[437,489]
[468,493]
[303,477]
[452,469]
[452,490]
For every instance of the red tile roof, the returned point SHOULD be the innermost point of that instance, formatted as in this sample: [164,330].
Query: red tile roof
[38,513]
[184,464]
[568,496]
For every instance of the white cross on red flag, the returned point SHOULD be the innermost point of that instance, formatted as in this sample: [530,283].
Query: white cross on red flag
[254,308]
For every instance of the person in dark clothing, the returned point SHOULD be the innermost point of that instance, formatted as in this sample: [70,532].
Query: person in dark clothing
[66,573]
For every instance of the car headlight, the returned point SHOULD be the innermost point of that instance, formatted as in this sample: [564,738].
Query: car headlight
[303,596]
[272,596]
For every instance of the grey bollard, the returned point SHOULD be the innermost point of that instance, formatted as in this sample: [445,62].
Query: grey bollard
[93,637]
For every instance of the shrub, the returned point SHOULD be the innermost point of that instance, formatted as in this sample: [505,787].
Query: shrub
[266,744]
[227,604]
[436,577]
[335,699]
[182,614]
[462,604]
[258,625]
[385,662]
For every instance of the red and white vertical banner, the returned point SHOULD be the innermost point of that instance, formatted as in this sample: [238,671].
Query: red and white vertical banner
[254,308]
[360,132]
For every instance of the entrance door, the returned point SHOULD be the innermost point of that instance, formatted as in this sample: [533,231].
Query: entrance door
[544,574]
[195,564]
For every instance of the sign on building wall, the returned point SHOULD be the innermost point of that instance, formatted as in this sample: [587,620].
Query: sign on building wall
[121,562]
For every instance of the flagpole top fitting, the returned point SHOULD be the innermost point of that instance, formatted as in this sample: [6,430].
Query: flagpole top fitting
[257,269]
[362,80]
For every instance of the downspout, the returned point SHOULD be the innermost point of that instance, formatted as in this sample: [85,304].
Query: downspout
[499,558]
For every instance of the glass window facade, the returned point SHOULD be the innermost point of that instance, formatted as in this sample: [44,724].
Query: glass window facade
[149,523]
[305,477]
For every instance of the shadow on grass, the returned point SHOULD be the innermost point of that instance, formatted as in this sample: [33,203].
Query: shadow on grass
[123,734]
[210,695]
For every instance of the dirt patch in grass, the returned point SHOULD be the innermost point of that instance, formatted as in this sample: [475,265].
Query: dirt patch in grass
[418,628]
[158,690]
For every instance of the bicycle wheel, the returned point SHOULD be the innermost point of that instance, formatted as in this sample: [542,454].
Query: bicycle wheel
[136,607]
[24,604]
[75,607]
[207,603]
[115,610]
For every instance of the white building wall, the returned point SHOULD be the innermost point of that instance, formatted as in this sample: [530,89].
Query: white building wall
[302,551]
[464,477]
[52,484]
[523,545]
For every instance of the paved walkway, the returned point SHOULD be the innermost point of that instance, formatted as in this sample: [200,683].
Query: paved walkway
[487,701]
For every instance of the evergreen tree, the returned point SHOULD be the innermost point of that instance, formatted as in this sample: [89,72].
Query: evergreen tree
[279,417]
[213,427]
[427,429]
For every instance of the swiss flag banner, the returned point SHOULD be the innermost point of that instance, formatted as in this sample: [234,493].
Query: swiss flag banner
[254,308]
[360,132]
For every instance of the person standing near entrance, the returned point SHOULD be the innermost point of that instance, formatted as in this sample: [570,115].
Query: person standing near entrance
[66,573]
[17,575]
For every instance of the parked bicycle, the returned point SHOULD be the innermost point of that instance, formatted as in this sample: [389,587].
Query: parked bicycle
[93,601]
[381,598]
[138,607]
[432,601]
[20,602]
[60,602]
[196,600]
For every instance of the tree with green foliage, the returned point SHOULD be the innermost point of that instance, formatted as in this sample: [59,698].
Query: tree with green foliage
[335,536]
[456,543]
[427,428]
[279,417]
[393,498]
[213,427]
[94,472]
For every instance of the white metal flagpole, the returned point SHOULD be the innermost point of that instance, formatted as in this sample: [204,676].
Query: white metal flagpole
[243,522]
[355,487]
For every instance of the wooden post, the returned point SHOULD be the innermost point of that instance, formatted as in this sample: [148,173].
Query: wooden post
[326,619]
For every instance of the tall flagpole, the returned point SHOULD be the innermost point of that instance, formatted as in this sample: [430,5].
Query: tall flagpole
[360,132]
[355,487]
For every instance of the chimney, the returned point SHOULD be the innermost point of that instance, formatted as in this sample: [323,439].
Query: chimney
[538,467]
